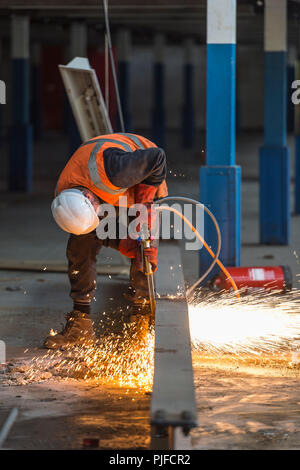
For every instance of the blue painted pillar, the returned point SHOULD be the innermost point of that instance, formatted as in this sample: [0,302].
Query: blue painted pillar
[292,55]
[123,53]
[297,142]
[78,48]
[36,109]
[20,163]
[189,92]
[158,112]
[220,179]
[274,155]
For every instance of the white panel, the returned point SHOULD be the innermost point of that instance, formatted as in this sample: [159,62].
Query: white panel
[20,37]
[275,37]
[85,98]
[221,21]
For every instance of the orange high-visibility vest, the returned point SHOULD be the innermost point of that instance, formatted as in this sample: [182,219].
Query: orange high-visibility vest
[86,168]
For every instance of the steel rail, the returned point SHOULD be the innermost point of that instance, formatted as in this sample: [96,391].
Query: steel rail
[173,407]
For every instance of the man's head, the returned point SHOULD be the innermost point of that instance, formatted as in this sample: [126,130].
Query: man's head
[75,210]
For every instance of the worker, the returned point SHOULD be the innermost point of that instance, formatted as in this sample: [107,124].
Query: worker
[103,170]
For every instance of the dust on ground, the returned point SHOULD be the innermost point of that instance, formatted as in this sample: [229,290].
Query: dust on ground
[247,403]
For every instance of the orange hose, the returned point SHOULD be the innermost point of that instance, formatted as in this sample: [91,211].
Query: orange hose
[219,263]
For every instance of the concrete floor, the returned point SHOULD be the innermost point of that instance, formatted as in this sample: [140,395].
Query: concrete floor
[56,414]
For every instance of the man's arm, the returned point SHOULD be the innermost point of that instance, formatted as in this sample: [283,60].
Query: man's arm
[127,169]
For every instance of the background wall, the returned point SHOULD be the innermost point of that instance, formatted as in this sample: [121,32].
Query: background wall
[249,90]
[249,86]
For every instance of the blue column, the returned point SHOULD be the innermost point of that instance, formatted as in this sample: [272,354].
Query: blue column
[20,164]
[78,48]
[124,51]
[189,99]
[158,112]
[297,173]
[290,79]
[36,110]
[297,144]
[220,179]
[274,155]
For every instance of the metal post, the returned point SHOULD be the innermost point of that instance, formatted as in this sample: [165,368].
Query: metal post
[297,136]
[20,168]
[274,155]
[158,113]
[189,114]
[36,112]
[78,48]
[292,57]
[220,179]
[123,53]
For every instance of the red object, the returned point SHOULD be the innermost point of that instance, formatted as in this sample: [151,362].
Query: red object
[128,247]
[255,277]
[132,249]
[144,194]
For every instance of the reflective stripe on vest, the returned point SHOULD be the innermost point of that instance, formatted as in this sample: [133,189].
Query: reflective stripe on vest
[93,170]
[135,139]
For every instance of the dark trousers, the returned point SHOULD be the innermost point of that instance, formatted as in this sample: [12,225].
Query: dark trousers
[82,251]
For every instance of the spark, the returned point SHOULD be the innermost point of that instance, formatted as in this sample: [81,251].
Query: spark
[258,323]
[125,359]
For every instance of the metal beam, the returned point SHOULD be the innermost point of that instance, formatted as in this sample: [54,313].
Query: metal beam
[173,407]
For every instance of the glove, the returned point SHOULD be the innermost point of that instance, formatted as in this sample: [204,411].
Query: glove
[129,247]
[132,249]
[151,254]
[144,194]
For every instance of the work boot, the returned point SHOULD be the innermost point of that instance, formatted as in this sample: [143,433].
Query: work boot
[138,298]
[79,330]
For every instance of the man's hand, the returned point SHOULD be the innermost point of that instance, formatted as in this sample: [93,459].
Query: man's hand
[151,254]
[128,247]
[133,249]
[144,194]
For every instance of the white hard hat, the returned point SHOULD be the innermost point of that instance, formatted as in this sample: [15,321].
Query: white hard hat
[74,212]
